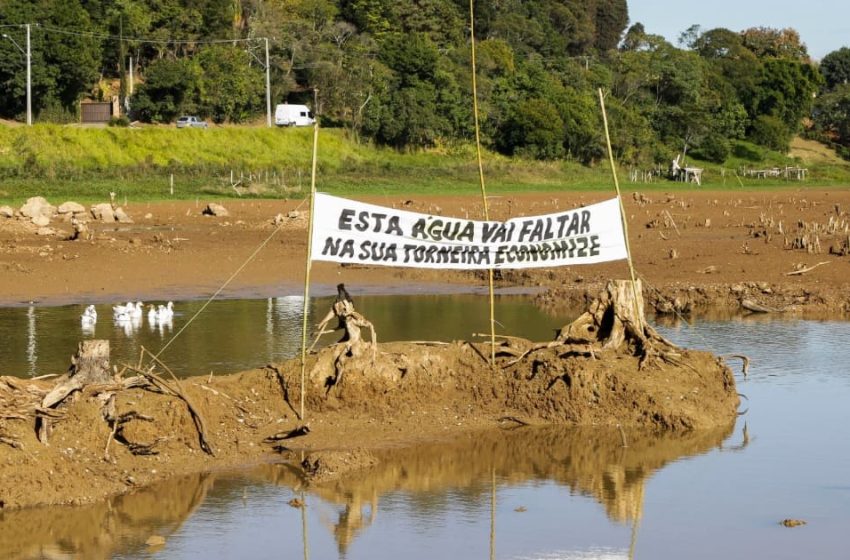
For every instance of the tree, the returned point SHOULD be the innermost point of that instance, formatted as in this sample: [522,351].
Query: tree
[231,89]
[170,89]
[785,90]
[775,43]
[64,66]
[612,16]
[831,116]
[835,68]
[534,129]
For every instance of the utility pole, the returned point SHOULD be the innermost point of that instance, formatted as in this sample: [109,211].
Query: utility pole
[268,87]
[28,56]
[29,78]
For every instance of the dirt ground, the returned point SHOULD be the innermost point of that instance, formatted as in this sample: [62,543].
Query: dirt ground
[696,251]
[709,249]
[111,438]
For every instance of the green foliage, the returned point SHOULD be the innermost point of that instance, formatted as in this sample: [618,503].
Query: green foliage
[63,66]
[120,122]
[171,89]
[398,72]
[785,91]
[714,148]
[832,116]
[771,132]
[230,88]
[747,151]
[533,129]
[835,68]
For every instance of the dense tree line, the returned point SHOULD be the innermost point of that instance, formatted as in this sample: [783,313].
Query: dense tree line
[398,72]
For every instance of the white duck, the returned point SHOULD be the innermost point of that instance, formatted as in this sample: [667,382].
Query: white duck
[152,314]
[89,316]
[138,310]
[123,309]
[165,312]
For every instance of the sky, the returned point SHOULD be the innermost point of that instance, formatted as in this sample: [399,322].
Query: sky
[824,25]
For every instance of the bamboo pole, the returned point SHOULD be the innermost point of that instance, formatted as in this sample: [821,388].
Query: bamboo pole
[481,178]
[308,265]
[620,200]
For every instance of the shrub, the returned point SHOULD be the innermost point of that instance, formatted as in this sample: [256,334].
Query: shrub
[771,132]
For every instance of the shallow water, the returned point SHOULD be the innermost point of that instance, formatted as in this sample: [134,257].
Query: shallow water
[234,335]
[531,493]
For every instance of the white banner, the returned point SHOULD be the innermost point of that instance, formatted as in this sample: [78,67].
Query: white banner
[347,231]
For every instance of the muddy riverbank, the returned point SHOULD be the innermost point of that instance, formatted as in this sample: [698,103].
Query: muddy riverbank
[786,250]
[108,438]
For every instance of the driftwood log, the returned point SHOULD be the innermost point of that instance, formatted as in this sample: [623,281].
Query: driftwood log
[351,345]
[350,321]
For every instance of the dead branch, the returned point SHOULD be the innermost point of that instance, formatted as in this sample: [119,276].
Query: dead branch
[15,444]
[672,221]
[805,270]
[289,434]
[756,307]
[745,362]
[177,391]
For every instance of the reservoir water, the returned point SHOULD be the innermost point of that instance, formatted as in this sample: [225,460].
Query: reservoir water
[515,494]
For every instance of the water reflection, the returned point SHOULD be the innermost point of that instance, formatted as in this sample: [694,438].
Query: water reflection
[422,485]
[120,524]
[233,335]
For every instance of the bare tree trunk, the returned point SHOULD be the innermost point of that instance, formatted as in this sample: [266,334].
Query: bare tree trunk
[89,365]
[616,318]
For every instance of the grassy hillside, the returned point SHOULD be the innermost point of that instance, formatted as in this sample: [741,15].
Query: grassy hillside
[88,163]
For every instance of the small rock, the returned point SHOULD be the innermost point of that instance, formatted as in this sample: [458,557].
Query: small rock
[103,212]
[45,231]
[37,206]
[71,208]
[41,221]
[155,540]
[7,211]
[293,214]
[122,216]
[148,216]
[214,209]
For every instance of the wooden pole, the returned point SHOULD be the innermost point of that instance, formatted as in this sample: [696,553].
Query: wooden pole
[481,177]
[309,251]
[620,200]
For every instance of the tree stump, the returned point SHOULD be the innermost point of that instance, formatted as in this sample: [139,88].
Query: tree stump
[352,344]
[89,365]
[616,319]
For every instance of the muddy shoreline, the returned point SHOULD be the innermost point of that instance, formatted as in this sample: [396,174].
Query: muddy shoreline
[66,441]
[784,249]
[781,251]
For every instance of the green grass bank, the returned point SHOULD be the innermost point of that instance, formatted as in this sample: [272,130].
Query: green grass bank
[152,163]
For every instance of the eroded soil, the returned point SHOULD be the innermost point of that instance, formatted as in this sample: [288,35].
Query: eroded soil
[783,250]
[707,248]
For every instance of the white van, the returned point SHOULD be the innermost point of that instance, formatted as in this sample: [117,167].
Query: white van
[293,115]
